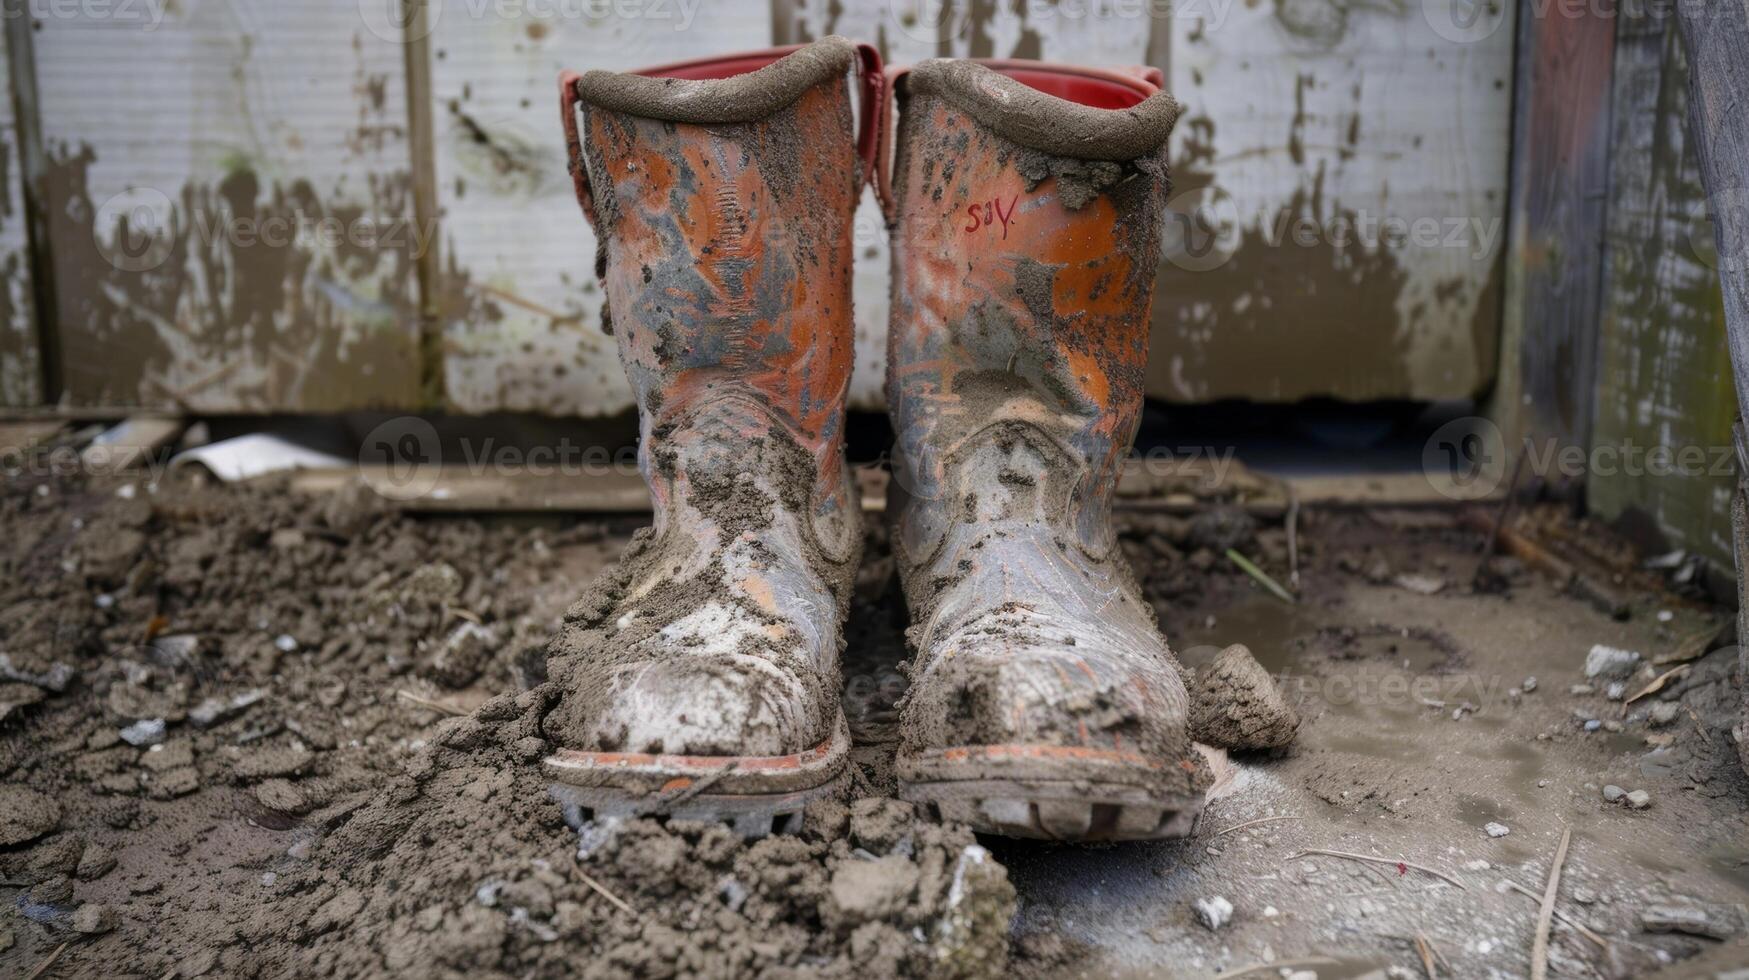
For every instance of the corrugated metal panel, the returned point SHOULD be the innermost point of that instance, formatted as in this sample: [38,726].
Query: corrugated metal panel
[520,305]
[1663,376]
[20,354]
[230,204]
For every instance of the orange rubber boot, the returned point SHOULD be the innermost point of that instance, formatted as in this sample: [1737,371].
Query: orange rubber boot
[1044,701]
[700,675]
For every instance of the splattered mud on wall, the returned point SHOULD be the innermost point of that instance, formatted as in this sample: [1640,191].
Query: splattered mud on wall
[1339,201]
[230,209]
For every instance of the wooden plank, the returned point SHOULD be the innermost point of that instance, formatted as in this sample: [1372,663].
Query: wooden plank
[1660,383]
[520,304]
[230,206]
[23,372]
[1560,174]
[1717,41]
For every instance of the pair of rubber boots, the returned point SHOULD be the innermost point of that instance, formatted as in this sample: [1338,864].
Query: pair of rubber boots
[701,673]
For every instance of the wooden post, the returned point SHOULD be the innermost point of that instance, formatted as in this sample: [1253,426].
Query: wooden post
[1560,176]
[1717,37]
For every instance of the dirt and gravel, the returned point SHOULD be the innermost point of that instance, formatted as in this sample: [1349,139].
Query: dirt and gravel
[244,732]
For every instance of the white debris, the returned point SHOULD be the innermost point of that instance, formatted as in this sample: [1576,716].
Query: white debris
[1610,663]
[1497,829]
[1214,912]
[148,731]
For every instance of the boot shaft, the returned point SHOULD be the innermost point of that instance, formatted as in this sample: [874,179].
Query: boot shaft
[1023,272]
[722,193]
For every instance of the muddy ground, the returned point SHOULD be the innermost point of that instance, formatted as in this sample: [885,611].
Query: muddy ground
[344,782]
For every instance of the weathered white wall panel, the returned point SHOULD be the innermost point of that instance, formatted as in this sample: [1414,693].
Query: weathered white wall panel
[1309,125]
[230,204]
[20,354]
[520,304]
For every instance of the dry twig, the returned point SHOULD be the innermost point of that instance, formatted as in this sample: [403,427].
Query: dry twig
[1379,860]
[1261,576]
[43,967]
[1249,823]
[438,706]
[1539,947]
[1571,922]
[601,890]
[1423,947]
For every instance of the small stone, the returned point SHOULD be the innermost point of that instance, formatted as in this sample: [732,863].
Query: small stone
[1616,690]
[1614,794]
[1214,912]
[1270,912]
[1610,663]
[94,863]
[1529,685]
[1581,689]
[285,643]
[26,815]
[93,919]
[53,891]
[864,891]
[1611,725]
[147,731]
[172,783]
[214,710]
[1497,829]
[1664,712]
[1639,799]
[1593,725]
[1477,865]
[1711,921]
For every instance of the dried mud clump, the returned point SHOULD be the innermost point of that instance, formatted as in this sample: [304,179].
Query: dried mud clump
[1236,705]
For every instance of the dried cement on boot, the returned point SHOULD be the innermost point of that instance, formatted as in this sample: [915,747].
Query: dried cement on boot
[742,98]
[1236,705]
[1044,122]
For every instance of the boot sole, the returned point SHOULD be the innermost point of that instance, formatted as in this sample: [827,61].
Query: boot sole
[1050,792]
[756,794]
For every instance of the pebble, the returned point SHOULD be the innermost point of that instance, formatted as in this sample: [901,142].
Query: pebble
[1664,712]
[1639,799]
[1581,689]
[1214,912]
[1616,690]
[1614,794]
[147,731]
[1593,725]
[1610,663]
[1477,865]
[1712,921]
[1529,685]
[214,710]
[93,919]
[1497,829]
[1611,725]
[285,643]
